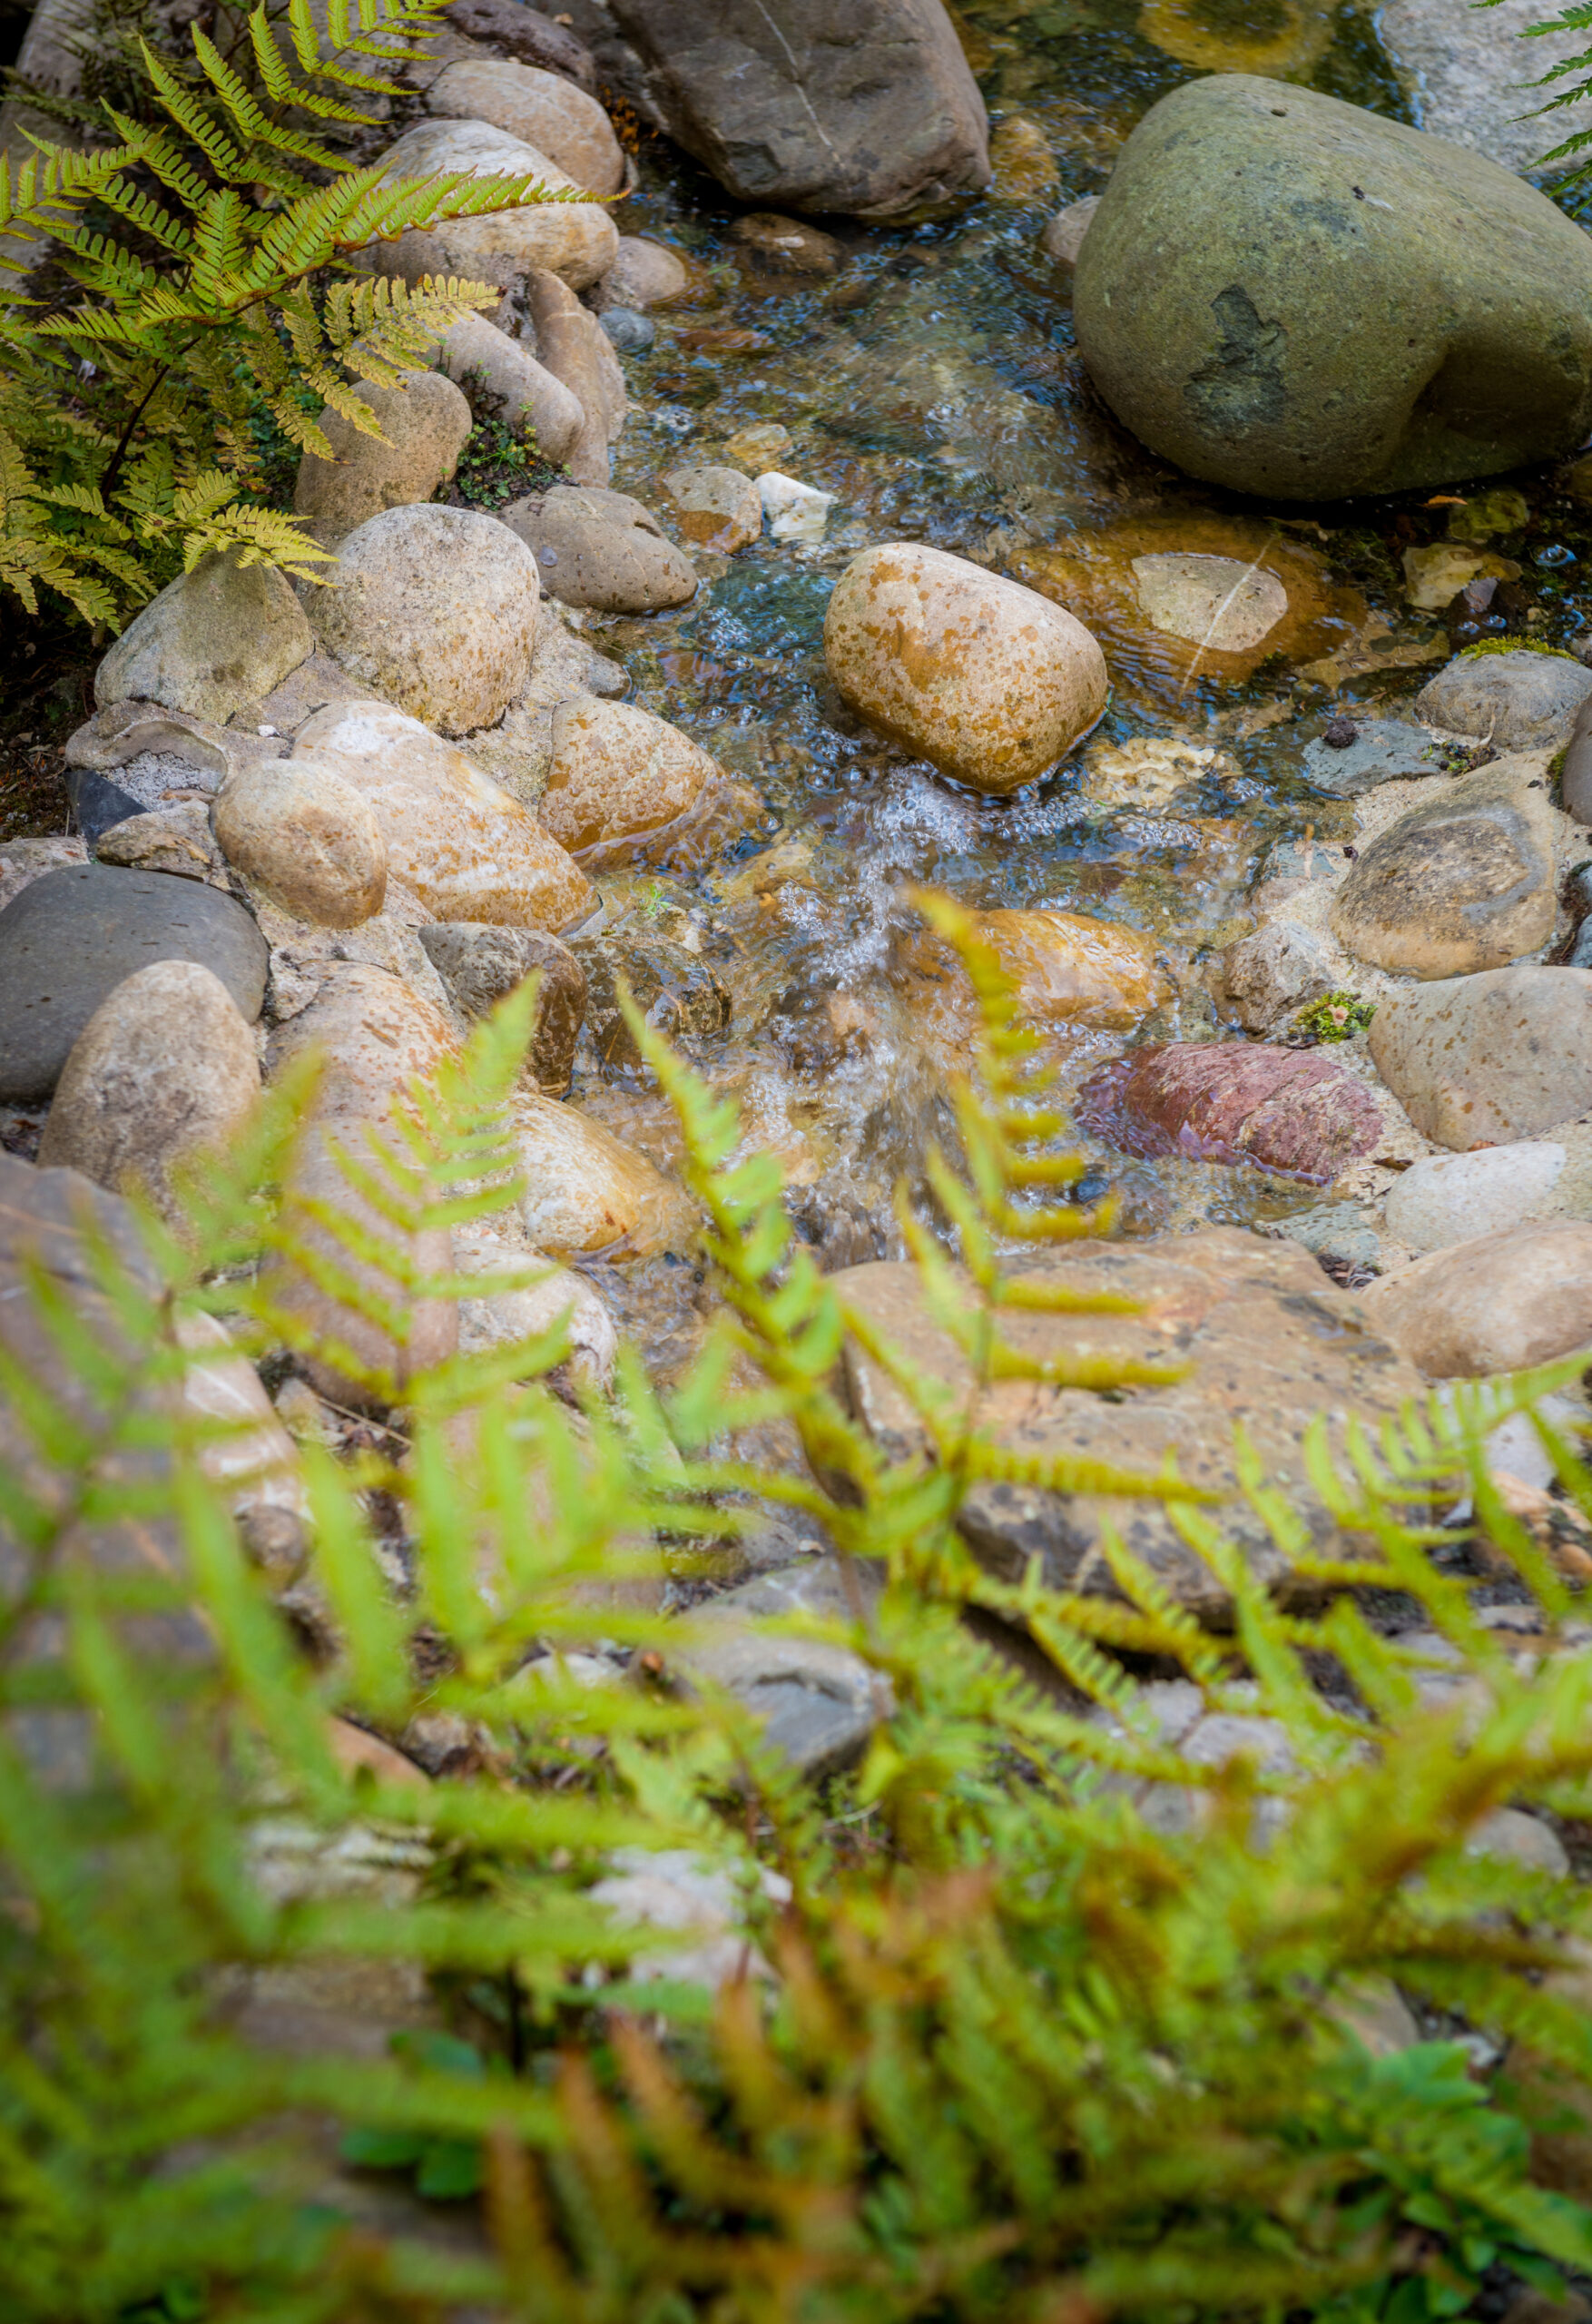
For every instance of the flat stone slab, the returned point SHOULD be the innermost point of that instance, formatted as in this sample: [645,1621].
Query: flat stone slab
[68,940]
[1295,1111]
[1383,750]
[1261,1339]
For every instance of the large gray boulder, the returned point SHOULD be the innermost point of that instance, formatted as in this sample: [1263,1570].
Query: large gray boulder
[1363,308]
[866,106]
[213,640]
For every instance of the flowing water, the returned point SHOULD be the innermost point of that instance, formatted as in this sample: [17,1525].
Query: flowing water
[932,385]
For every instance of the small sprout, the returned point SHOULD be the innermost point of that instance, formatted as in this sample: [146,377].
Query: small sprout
[1335,1016]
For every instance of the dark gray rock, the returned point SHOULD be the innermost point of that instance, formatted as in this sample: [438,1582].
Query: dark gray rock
[97,804]
[1382,750]
[629,333]
[1520,702]
[68,940]
[1362,308]
[819,1703]
[530,38]
[480,965]
[865,106]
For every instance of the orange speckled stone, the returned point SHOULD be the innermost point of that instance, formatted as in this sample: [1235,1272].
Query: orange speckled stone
[987,679]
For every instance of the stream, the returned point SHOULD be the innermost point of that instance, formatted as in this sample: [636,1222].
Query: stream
[931,383]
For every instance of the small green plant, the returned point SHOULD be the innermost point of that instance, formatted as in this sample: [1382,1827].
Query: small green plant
[1570,80]
[211,246]
[1335,1016]
[1514,644]
[500,462]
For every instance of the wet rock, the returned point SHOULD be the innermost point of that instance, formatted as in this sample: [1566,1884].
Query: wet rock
[1453,1198]
[425,423]
[454,839]
[712,508]
[1290,1110]
[574,347]
[209,642]
[752,447]
[788,114]
[1266,1341]
[22,861]
[1023,165]
[644,274]
[584,1191]
[818,1702]
[481,965]
[519,390]
[1150,770]
[97,804]
[988,680]
[540,108]
[1063,238]
[1377,750]
[311,839]
[374,1037]
[435,609]
[576,240]
[1269,977]
[1516,1297]
[1461,883]
[521,1298]
[795,511]
[1434,576]
[675,990]
[164,1071]
[1353,315]
[1489,1058]
[786,245]
[623,783]
[528,36]
[1212,601]
[627,333]
[600,548]
[71,936]
[1518,701]
[1066,966]
[175,839]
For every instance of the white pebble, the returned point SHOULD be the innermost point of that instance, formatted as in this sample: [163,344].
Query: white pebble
[794,511]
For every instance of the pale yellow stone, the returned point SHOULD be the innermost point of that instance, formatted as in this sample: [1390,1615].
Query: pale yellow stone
[618,773]
[585,1191]
[1065,966]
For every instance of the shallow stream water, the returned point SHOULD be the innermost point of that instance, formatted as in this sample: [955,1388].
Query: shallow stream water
[933,386]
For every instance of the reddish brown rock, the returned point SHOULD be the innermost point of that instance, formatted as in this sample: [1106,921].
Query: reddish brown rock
[1290,1110]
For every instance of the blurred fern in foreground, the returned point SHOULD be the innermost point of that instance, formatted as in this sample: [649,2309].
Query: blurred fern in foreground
[1010,2039]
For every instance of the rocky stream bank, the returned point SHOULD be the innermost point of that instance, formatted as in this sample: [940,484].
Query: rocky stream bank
[1155,518]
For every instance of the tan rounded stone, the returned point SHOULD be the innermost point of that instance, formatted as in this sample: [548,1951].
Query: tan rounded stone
[164,1071]
[644,274]
[311,838]
[584,1191]
[1461,884]
[1211,601]
[463,846]
[1484,1060]
[576,241]
[437,610]
[425,423]
[543,109]
[373,1039]
[1063,237]
[618,775]
[988,680]
[1065,966]
[215,639]
[521,391]
[712,508]
[1499,1303]
[577,349]
[520,1296]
